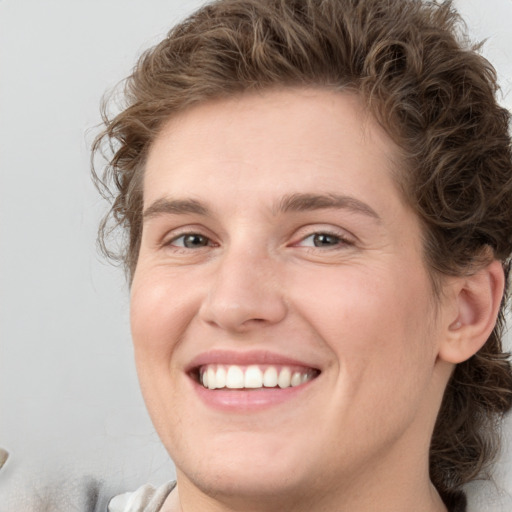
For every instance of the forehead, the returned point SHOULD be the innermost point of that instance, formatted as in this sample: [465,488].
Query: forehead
[278,139]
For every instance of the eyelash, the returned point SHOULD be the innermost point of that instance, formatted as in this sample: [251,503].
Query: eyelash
[339,239]
[172,241]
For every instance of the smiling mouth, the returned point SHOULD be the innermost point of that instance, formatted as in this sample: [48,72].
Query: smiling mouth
[249,377]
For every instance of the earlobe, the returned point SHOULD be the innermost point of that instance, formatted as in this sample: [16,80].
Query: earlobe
[477,298]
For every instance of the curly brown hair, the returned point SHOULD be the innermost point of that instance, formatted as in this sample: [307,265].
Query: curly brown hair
[418,74]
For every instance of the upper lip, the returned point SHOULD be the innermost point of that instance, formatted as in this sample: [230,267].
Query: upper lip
[245,358]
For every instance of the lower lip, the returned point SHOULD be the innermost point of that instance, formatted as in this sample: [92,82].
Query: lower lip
[248,400]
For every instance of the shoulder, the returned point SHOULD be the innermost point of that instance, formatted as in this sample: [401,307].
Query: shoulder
[145,499]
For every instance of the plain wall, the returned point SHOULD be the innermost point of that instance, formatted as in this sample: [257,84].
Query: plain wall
[69,399]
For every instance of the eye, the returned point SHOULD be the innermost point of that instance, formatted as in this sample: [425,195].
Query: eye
[190,241]
[323,240]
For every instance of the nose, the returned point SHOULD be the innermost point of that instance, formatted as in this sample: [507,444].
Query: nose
[246,292]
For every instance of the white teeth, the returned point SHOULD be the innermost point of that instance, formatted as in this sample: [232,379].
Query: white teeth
[211,380]
[284,380]
[252,377]
[235,378]
[270,377]
[296,379]
[220,377]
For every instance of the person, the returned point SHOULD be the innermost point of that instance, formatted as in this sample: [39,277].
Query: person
[317,201]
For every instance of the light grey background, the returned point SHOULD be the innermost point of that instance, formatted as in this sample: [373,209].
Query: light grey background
[69,399]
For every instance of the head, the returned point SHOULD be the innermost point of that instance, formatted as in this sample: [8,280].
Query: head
[417,78]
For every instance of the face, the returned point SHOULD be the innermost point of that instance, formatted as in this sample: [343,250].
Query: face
[283,319]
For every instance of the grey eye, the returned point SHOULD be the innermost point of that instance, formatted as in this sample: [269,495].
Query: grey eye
[325,240]
[191,241]
[322,240]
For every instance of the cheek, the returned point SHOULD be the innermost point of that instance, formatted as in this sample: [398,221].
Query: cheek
[160,310]
[158,316]
[376,326]
[371,317]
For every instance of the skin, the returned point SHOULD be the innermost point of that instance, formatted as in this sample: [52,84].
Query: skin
[359,308]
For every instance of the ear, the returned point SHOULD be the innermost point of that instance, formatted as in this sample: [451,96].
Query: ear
[477,300]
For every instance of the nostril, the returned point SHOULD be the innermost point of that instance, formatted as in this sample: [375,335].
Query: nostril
[256,320]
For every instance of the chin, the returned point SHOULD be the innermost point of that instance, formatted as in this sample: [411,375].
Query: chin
[246,467]
[253,482]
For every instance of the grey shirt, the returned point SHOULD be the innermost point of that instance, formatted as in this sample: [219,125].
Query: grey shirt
[145,499]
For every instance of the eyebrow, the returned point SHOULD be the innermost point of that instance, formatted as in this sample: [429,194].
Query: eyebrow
[175,207]
[307,202]
[290,203]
